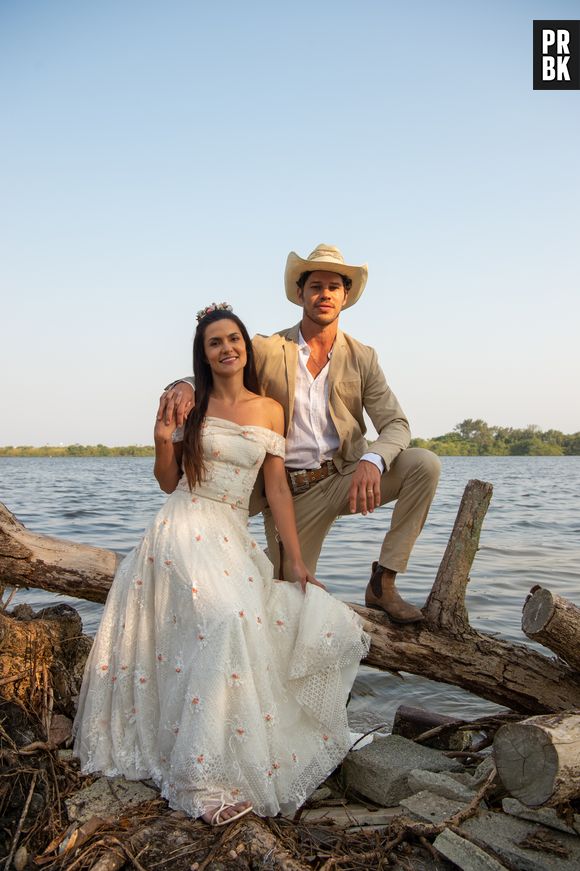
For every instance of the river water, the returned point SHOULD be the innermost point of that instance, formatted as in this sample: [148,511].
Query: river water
[531,535]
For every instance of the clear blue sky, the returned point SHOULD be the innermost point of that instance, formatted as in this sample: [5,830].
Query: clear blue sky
[156,156]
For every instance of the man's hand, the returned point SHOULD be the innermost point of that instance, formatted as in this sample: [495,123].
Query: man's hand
[365,488]
[176,403]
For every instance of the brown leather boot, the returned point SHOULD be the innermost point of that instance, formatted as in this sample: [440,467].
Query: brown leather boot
[386,598]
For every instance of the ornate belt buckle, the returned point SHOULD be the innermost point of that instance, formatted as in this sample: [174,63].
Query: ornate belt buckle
[299,488]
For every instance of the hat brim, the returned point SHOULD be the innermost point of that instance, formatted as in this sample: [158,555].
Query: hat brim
[295,266]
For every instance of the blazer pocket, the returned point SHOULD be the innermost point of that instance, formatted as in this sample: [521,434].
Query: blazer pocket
[350,394]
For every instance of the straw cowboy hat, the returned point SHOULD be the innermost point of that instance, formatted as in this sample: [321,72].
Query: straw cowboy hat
[326,258]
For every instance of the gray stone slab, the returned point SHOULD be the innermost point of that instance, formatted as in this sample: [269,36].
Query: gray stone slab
[431,808]
[441,784]
[465,854]
[352,815]
[504,834]
[381,770]
[465,778]
[547,816]
[483,770]
[107,797]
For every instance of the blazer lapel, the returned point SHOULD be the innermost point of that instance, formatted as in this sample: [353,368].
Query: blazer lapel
[291,361]
[335,373]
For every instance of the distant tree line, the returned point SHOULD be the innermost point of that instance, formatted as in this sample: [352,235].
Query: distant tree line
[78,451]
[475,438]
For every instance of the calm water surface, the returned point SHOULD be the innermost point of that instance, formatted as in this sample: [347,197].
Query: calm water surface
[531,535]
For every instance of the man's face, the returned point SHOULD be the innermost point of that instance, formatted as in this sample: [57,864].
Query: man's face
[323,297]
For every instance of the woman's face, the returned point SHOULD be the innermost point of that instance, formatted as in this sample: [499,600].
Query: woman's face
[224,347]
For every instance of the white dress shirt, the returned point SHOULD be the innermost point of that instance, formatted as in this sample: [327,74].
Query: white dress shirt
[312,437]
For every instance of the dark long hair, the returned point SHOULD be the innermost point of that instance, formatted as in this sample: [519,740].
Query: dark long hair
[193,465]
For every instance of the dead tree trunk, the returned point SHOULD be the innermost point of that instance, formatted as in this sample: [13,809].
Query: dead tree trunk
[445,648]
[554,622]
[538,760]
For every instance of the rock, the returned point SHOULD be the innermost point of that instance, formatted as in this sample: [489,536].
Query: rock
[527,846]
[441,784]
[320,794]
[431,808]
[16,722]
[107,797]
[465,854]
[548,816]
[60,729]
[380,771]
[351,815]
[20,859]
[465,778]
[483,770]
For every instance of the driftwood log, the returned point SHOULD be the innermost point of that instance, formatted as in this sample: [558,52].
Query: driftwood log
[31,560]
[554,622]
[444,648]
[538,760]
[414,723]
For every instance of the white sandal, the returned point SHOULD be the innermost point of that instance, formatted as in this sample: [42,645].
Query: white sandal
[216,816]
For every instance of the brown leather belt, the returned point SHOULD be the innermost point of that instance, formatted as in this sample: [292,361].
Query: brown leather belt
[300,480]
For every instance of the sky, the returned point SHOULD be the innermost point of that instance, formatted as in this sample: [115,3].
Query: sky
[157,156]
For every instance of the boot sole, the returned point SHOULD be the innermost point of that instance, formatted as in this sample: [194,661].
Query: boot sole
[395,619]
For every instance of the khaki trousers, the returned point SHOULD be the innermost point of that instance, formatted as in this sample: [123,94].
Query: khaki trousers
[411,480]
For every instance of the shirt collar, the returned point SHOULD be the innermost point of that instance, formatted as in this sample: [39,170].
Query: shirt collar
[305,348]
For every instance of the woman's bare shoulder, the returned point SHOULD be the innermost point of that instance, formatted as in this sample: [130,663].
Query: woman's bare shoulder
[269,412]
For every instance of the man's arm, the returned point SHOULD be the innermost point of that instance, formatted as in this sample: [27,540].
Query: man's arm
[394,436]
[177,400]
[387,416]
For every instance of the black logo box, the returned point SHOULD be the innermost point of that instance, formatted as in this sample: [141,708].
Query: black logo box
[572,65]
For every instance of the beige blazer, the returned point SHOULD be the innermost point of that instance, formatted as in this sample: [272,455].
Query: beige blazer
[355,383]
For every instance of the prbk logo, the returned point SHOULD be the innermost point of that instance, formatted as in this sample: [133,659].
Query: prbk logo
[556,55]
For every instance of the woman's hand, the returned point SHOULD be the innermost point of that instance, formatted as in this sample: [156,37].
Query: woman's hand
[164,429]
[167,455]
[299,574]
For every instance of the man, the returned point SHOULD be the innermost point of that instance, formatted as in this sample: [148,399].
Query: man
[324,379]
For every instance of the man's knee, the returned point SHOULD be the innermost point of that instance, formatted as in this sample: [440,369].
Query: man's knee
[421,463]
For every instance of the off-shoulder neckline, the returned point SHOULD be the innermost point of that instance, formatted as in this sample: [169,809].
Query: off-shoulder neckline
[243,425]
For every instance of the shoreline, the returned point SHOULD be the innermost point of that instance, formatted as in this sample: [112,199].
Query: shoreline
[102,451]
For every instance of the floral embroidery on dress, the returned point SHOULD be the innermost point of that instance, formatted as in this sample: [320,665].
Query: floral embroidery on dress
[240,732]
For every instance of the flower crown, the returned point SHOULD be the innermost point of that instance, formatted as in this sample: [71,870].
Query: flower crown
[213,307]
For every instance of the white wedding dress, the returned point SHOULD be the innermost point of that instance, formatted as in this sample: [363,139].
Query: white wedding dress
[206,675]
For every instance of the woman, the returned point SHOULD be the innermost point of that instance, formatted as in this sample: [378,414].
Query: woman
[225,687]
